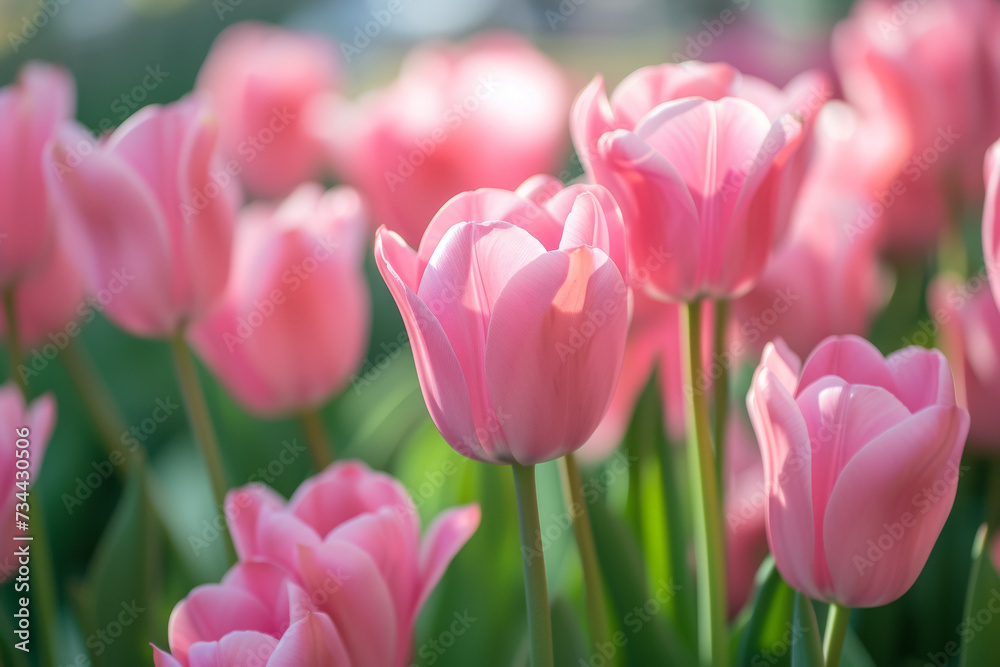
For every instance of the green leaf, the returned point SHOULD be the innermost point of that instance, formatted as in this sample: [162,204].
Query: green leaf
[807,648]
[120,586]
[569,643]
[769,633]
[855,654]
[981,643]
[646,633]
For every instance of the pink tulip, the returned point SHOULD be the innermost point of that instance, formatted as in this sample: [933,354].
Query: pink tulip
[970,331]
[344,554]
[746,538]
[47,302]
[262,80]
[923,67]
[705,165]
[991,219]
[30,110]
[517,312]
[19,423]
[150,207]
[489,113]
[293,323]
[861,458]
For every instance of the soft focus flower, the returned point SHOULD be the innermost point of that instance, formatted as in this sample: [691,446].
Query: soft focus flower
[30,110]
[924,67]
[705,164]
[825,280]
[517,312]
[261,81]
[488,113]
[851,443]
[746,538]
[970,332]
[18,423]
[148,213]
[293,323]
[47,302]
[344,556]
[991,219]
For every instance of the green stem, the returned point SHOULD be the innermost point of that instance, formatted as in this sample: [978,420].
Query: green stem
[201,422]
[535,589]
[720,392]
[709,547]
[316,439]
[836,629]
[597,618]
[43,584]
[13,339]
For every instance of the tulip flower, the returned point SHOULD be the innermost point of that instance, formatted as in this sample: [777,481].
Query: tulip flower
[861,458]
[153,204]
[23,428]
[970,333]
[516,308]
[925,70]
[30,110]
[48,302]
[705,165]
[262,80]
[415,144]
[991,219]
[337,574]
[293,322]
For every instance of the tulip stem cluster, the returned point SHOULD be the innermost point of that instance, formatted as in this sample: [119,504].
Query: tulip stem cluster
[709,547]
[13,339]
[535,587]
[201,422]
[316,438]
[597,619]
[836,629]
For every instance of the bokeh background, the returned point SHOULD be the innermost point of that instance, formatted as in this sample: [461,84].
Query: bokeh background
[108,547]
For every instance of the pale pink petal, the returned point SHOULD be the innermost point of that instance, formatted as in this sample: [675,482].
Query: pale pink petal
[312,642]
[852,358]
[446,535]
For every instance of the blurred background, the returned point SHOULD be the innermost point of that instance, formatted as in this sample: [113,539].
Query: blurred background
[108,547]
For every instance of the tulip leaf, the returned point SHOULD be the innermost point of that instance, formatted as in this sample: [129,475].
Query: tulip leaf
[807,648]
[855,654]
[646,635]
[981,643]
[768,635]
[569,643]
[120,591]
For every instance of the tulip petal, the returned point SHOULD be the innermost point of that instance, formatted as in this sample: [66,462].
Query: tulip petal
[647,87]
[441,380]
[991,218]
[243,507]
[554,351]
[210,612]
[783,363]
[923,377]
[561,204]
[236,648]
[446,535]
[591,117]
[312,641]
[849,357]
[908,475]
[461,283]
[163,659]
[586,225]
[785,450]
[355,597]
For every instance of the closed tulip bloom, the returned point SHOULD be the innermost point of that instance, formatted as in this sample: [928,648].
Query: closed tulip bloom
[49,301]
[412,146]
[851,441]
[516,308]
[261,81]
[148,207]
[970,332]
[30,110]
[19,423]
[991,219]
[352,523]
[705,165]
[293,323]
